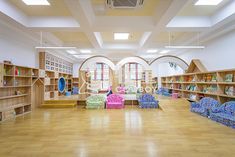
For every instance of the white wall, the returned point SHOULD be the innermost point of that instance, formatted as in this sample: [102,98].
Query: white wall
[17,47]
[164,69]
[219,53]
[76,67]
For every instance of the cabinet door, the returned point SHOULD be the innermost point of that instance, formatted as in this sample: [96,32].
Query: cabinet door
[1,74]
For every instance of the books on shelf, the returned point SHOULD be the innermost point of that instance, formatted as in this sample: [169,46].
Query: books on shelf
[228,78]
[208,78]
[209,89]
[229,90]
[214,78]
[191,87]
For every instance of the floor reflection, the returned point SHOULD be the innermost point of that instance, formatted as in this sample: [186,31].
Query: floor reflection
[133,121]
[99,122]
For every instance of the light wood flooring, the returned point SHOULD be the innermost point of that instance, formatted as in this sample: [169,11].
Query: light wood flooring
[171,132]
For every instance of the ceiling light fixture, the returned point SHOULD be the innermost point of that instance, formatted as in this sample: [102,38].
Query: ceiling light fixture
[36,2]
[164,51]
[121,36]
[51,47]
[185,47]
[85,51]
[55,47]
[169,46]
[152,51]
[208,2]
[82,56]
[72,52]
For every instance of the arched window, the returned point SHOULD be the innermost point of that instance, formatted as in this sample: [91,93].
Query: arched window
[101,74]
[132,74]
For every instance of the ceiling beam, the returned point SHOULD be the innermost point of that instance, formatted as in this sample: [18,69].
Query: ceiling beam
[77,8]
[173,9]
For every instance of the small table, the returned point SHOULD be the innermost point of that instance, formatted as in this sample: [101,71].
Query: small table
[130,97]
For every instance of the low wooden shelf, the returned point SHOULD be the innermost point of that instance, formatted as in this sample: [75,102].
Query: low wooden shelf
[217,83]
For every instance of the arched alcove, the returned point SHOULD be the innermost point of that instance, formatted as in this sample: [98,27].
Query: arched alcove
[138,60]
[168,58]
[167,65]
[88,63]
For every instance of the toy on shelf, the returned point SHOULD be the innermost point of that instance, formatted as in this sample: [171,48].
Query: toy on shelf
[228,78]
[229,90]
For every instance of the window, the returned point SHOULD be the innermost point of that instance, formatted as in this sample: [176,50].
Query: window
[133,74]
[101,73]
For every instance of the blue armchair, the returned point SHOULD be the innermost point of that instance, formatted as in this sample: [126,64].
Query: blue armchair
[204,106]
[147,101]
[224,114]
[163,91]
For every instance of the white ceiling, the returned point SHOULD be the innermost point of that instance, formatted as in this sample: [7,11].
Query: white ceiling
[89,24]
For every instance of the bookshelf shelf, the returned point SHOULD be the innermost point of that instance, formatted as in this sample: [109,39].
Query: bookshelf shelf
[15,90]
[217,84]
[13,96]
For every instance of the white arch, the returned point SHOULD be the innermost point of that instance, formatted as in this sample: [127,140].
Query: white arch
[180,62]
[91,62]
[133,59]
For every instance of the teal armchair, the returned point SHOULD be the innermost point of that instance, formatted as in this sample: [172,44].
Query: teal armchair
[95,102]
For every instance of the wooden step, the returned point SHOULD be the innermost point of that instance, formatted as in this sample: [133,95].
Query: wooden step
[60,105]
[60,102]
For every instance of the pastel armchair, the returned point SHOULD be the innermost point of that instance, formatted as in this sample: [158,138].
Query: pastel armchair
[95,102]
[115,101]
[204,106]
[224,114]
[147,101]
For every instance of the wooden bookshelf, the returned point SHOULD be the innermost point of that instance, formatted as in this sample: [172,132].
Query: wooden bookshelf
[216,84]
[51,84]
[15,90]
[75,81]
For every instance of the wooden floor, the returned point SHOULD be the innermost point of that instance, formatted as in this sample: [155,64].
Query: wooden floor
[171,132]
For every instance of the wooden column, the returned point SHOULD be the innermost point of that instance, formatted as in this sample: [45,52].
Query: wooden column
[115,83]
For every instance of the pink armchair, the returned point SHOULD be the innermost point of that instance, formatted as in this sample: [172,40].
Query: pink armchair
[115,101]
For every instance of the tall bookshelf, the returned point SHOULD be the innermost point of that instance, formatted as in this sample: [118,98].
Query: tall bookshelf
[55,68]
[15,90]
[51,84]
[219,85]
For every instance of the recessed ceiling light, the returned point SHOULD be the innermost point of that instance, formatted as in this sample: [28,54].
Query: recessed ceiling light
[36,2]
[121,36]
[85,51]
[208,2]
[164,51]
[82,56]
[152,51]
[72,52]
[54,47]
[185,47]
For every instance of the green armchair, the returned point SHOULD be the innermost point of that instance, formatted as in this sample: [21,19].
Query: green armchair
[95,102]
